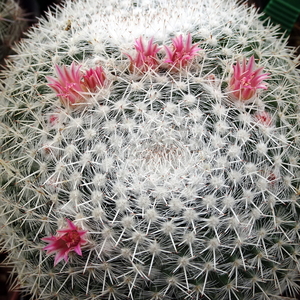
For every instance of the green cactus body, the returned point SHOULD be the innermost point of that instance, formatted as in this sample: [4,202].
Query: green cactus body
[181,187]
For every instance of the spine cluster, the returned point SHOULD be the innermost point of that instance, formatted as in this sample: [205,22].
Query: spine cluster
[150,157]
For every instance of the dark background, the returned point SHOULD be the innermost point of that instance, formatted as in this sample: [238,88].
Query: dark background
[37,8]
[294,39]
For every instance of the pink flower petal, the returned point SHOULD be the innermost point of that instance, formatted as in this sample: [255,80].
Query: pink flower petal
[77,249]
[146,56]
[66,240]
[246,80]
[60,256]
[71,84]
[179,54]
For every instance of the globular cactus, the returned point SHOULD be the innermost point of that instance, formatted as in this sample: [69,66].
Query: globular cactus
[150,150]
[13,22]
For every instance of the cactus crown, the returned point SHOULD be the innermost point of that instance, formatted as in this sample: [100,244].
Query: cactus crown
[158,156]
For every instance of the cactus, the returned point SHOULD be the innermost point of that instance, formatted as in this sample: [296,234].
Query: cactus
[13,22]
[150,150]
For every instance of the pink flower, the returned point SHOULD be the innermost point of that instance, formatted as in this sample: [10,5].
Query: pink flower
[246,80]
[94,78]
[263,118]
[180,53]
[53,119]
[65,241]
[146,56]
[71,83]
[68,85]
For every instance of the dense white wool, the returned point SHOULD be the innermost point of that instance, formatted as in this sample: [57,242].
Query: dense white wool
[185,193]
